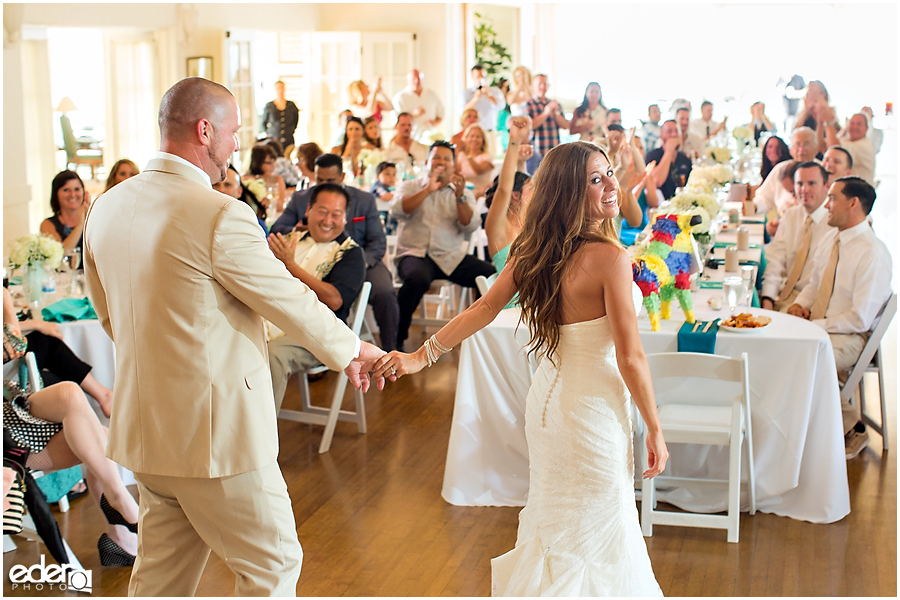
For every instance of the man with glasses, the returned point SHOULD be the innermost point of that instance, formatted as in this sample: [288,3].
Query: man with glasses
[436,214]
[771,195]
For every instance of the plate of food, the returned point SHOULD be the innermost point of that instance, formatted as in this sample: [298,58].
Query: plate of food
[744,323]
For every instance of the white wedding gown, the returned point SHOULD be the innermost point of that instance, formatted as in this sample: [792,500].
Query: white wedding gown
[579,533]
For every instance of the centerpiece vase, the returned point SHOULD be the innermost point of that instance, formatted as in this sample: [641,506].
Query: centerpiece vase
[32,281]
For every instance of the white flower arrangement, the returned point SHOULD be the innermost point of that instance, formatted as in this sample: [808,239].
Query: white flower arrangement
[36,248]
[371,158]
[721,173]
[709,177]
[434,136]
[257,187]
[742,132]
[703,227]
[720,155]
[692,197]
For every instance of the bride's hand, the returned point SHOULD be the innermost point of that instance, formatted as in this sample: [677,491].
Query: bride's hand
[657,454]
[396,364]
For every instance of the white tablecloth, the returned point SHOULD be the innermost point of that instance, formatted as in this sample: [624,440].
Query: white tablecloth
[800,469]
[91,344]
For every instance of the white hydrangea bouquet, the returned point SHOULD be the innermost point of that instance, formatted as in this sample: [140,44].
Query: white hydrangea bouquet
[742,132]
[371,158]
[720,155]
[693,196]
[709,177]
[257,187]
[36,248]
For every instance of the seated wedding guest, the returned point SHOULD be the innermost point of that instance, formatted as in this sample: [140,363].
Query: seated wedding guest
[474,160]
[691,145]
[547,118]
[279,119]
[838,162]
[705,127]
[855,142]
[70,203]
[231,186]
[283,167]
[354,142]
[436,213]
[673,167]
[329,262]
[650,129]
[262,167]
[774,151]
[364,226]
[789,256]
[61,430]
[614,117]
[876,135]
[372,132]
[589,117]
[338,137]
[403,148]
[122,170]
[364,104]
[484,98]
[759,121]
[469,117]
[639,195]
[507,200]
[53,355]
[851,281]
[383,189]
[306,155]
[771,195]
[422,103]
[519,92]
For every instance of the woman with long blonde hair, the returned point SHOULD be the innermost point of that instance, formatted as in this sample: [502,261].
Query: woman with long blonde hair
[579,533]
[519,91]
[364,104]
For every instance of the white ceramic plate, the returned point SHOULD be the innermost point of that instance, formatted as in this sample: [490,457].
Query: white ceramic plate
[742,329]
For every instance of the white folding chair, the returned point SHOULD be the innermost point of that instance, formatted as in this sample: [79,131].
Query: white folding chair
[483,284]
[870,360]
[329,417]
[723,421]
[29,532]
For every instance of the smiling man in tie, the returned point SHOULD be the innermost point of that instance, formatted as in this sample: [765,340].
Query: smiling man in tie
[851,281]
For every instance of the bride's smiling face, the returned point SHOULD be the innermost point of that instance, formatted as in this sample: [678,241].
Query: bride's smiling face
[602,189]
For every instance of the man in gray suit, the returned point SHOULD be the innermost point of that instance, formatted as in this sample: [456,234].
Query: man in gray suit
[179,277]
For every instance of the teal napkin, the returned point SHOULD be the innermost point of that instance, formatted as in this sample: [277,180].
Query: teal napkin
[710,285]
[721,261]
[697,341]
[726,244]
[15,280]
[70,309]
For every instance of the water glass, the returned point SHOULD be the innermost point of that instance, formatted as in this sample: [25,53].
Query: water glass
[732,287]
[747,284]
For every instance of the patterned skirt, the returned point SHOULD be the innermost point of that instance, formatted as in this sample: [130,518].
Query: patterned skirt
[27,430]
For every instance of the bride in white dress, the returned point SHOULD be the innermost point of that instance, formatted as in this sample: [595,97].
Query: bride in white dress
[579,534]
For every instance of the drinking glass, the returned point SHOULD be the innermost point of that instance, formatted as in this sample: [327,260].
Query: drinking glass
[74,259]
[747,284]
[731,286]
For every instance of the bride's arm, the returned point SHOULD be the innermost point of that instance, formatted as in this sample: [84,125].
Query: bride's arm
[473,319]
[630,356]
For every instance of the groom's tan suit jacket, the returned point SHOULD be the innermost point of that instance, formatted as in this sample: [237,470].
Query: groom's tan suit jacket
[181,277]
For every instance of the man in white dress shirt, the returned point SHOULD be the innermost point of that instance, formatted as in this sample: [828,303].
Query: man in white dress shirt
[691,145]
[423,104]
[789,257]
[771,195]
[403,148]
[838,162]
[704,127]
[851,282]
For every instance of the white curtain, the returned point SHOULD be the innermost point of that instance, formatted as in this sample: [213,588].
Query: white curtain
[132,100]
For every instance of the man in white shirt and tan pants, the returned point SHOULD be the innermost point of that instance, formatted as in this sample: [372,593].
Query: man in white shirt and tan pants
[789,257]
[850,284]
[179,276]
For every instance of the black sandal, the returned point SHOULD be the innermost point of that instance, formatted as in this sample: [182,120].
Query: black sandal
[114,517]
[112,554]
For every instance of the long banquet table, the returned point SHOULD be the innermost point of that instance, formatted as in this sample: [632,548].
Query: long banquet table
[799,459]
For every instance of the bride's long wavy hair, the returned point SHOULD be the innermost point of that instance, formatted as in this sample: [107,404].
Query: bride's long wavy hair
[556,226]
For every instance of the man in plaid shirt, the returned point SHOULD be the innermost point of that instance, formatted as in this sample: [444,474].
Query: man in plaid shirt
[546,117]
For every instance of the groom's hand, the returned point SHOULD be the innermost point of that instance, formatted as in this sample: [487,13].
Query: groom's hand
[359,368]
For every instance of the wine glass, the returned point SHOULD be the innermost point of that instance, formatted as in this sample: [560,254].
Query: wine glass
[747,284]
[731,286]
[74,259]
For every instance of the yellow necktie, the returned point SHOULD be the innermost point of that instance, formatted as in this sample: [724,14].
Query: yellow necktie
[799,261]
[826,285]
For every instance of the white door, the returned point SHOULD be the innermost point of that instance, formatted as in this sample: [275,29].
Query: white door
[335,63]
[389,56]
[238,48]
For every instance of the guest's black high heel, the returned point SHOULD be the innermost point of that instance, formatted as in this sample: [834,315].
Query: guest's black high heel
[114,517]
[112,554]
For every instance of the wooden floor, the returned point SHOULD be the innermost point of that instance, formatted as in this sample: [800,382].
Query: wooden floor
[372,521]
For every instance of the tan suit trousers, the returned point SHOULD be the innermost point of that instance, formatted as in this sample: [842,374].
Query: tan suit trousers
[246,519]
[847,348]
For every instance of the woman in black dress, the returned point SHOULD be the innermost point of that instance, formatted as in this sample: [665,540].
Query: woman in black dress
[280,118]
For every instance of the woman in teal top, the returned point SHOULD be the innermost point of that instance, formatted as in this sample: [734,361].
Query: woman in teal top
[506,205]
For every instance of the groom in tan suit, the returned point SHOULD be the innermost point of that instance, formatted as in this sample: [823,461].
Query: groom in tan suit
[179,275]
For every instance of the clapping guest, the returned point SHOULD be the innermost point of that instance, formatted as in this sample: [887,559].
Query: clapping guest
[469,117]
[372,132]
[484,98]
[403,150]
[705,127]
[673,167]
[760,122]
[262,167]
[70,203]
[815,99]
[306,155]
[474,160]
[422,103]
[122,170]
[854,140]
[354,142]
[364,104]
[589,117]
[520,91]
[546,120]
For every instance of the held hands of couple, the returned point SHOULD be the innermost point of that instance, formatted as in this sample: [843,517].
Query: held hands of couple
[394,365]
[359,371]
